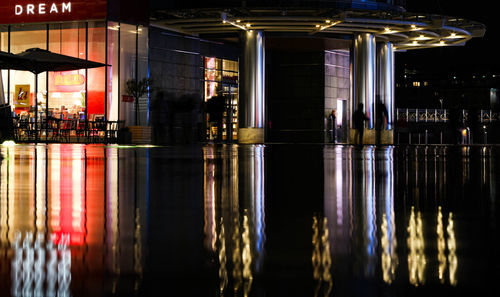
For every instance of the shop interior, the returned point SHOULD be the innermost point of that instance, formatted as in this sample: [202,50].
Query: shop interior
[221,78]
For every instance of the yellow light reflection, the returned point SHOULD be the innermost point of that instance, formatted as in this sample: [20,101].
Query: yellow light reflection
[223,279]
[416,246]
[321,257]
[209,201]
[441,245]
[246,257]
[389,256]
[452,247]
[237,274]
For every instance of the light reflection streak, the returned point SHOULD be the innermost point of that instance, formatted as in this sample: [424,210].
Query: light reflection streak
[452,247]
[44,195]
[113,218]
[442,243]
[416,246]
[389,258]
[321,257]
[223,279]
[370,228]
[259,198]
[239,237]
[441,246]
[40,188]
[246,258]
[209,201]
[38,268]
[66,195]
[236,257]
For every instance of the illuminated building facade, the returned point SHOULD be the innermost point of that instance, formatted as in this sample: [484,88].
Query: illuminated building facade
[101,31]
[300,60]
[281,69]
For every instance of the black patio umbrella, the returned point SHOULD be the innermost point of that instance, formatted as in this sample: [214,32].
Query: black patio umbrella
[9,61]
[38,60]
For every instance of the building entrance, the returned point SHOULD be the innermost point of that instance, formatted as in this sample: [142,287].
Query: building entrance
[221,99]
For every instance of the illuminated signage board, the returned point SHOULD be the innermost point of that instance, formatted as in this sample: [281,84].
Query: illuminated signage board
[42,8]
[38,11]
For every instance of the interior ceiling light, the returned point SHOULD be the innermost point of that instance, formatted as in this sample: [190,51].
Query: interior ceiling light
[329,24]
[422,37]
[454,35]
[236,23]
[388,30]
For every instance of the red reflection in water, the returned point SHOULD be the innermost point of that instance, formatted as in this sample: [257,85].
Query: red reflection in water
[67,195]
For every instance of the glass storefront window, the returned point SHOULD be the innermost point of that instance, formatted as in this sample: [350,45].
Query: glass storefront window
[221,77]
[4,46]
[113,101]
[85,94]
[26,98]
[96,76]
[67,89]
[230,73]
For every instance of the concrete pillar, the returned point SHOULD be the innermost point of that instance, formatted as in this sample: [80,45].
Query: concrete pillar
[363,80]
[364,75]
[385,78]
[252,88]
[385,85]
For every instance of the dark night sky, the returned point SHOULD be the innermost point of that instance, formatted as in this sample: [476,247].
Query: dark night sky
[479,54]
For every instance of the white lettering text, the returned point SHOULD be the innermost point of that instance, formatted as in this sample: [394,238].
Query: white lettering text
[66,6]
[53,8]
[42,8]
[30,9]
[19,9]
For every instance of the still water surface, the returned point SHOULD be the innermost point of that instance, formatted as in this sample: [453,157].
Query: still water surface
[275,220]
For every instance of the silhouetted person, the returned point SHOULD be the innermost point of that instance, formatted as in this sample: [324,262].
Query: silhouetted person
[215,110]
[380,119]
[359,119]
[332,125]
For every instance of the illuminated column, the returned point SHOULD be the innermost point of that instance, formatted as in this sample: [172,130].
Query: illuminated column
[364,76]
[252,101]
[385,81]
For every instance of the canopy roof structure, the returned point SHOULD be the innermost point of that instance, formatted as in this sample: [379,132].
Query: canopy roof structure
[405,30]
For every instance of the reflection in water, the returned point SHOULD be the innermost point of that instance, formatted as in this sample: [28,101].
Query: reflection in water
[237,177]
[321,257]
[385,192]
[75,220]
[416,248]
[39,268]
[452,246]
[441,245]
[67,197]
[389,257]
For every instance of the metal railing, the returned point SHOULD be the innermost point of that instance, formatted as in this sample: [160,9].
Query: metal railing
[423,123]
